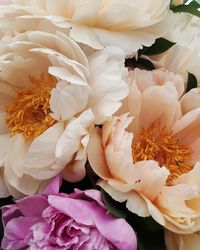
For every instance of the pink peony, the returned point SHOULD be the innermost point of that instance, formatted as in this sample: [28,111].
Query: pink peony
[59,221]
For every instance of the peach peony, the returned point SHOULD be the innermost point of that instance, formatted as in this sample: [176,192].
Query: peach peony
[99,23]
[50,94]
[182,241]
[151,160]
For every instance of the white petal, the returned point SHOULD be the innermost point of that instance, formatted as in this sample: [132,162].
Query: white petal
[70,141]
[5,140]
[87,36]
[67,101]
[115,194]
[107,74]
[64,74]
[136,204]
[150,175]
[41,152]
[14,168]
[172,199]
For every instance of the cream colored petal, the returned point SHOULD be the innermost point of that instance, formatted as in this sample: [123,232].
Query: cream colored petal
[107,74]
[65,74]
[87,13]
[59,42]
[18,69]
[13,191]
[136,204]
[191,241]
[159,105]
[96,155]
[74,171]
[66,101]
[143,177]
[195,148]
[5,142]
[41,151]
[187,129]
[115,194]
[175,241]
[134,100]
[134,107]
[151,175]
[70,141]
[118,151]
[87,36]
[129,41]
[191,178]
[191,100]
[46,172]
[155,212]
[14,168]
[83,150]
[172,200]
[64,68]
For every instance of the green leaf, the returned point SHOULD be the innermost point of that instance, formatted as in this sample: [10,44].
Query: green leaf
[114,207]
[144,224]
[146,64]
[191,82]
[140,63]
[161,45]
[151,241]
[191,8]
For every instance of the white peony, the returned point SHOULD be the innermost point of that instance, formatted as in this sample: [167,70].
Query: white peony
[50,94]
[99,23]
[184,56]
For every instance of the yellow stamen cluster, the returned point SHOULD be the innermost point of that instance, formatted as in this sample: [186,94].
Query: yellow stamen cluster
[29,113]
[163,147]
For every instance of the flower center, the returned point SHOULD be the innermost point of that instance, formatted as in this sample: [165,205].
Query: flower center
[29,114]
[163,147]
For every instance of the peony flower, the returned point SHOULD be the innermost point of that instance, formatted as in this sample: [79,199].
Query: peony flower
[125,24]
[184,56]
[60,221]
[151,161]
[180,241]
[50,94]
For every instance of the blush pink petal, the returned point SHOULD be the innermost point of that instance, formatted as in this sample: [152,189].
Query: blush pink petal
[187,129]
[95,148]
[191,100]
[172,200]
[159,105]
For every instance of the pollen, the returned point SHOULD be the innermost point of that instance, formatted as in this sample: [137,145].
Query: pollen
[165,148]
[29,114]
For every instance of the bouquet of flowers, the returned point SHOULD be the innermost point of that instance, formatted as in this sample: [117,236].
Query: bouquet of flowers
[100,124]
